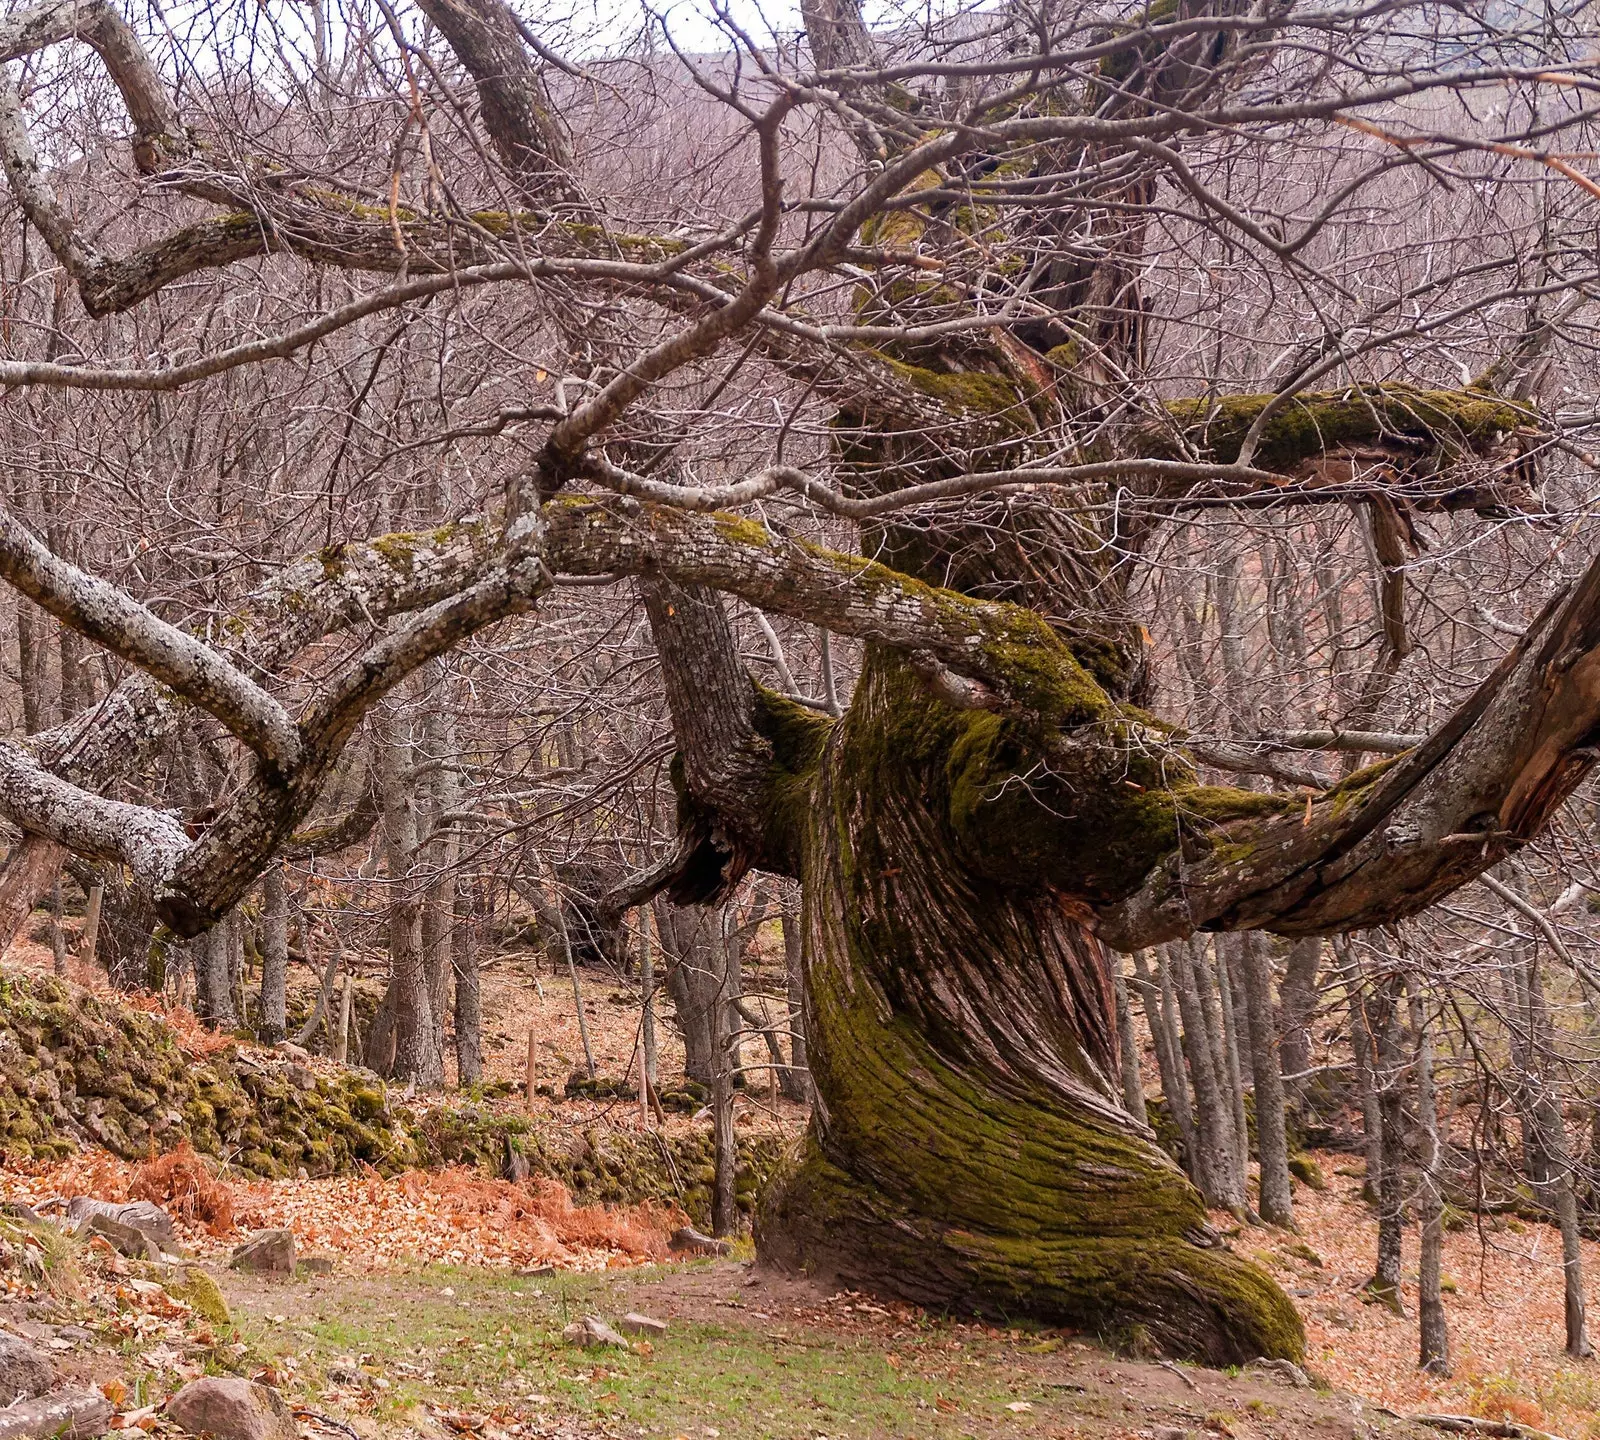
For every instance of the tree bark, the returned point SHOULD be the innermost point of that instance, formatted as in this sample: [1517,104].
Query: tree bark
[1213,1117]
[1231,1021]
[1556,1184]
[91,921]
[1433,1328]
[796,1080]
[1272,1141]
[1132,1085]
[969,1146]
[725,1143]
[274,957]
[1298,999]
[468,993]
[416,1051]
[1160,1009]
[1383,1020]
[648,1057]
[213,990]
[696,977]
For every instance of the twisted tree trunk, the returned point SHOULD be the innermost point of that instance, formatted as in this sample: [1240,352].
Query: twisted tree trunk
[970,1146]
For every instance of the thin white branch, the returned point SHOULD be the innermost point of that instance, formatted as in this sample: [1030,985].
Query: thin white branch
[107,616]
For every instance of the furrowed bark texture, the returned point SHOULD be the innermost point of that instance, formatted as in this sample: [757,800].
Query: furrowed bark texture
[970,1147]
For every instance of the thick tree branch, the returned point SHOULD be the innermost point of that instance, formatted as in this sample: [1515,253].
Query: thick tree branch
[110,618]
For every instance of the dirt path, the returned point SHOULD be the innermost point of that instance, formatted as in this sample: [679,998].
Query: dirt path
[747,1356]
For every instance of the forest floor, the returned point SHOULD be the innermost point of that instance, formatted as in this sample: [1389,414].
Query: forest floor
[426,1324]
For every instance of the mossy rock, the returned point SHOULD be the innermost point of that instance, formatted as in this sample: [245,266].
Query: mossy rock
[1307,1171]
[198,1291]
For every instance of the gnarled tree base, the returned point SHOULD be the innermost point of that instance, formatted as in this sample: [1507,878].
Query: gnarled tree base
[1181,1295]
[969,1150]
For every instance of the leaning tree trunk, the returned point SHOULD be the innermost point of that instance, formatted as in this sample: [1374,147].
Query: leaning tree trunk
[970,1146]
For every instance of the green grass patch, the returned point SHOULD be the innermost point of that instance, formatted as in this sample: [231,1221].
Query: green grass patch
[494,1342]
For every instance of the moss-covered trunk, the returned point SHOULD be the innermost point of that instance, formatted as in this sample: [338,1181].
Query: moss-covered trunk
[968,1150]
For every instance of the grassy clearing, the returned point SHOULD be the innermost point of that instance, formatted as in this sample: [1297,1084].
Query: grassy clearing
[484,1342]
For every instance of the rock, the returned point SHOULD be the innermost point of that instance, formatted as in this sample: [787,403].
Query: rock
[633,1323]
[141,1215]
[1284,1370]
[689,1241]
[271,1251]
[301,1077]
[61,1415]
[1306,1170]
[199,1292]
[24,1372]
[1170,1432]
[124,1239]
[232,1408]
[593,1333]
[16,1210]
[317,1265]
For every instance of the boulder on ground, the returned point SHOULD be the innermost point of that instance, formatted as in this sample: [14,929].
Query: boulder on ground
[124,1239]
[230,1407]
[686,1240]
[633,1323]
[24,1371]
[269,1251]
[593,1333]
[62,1415]
[139,1215]
[1284,1370]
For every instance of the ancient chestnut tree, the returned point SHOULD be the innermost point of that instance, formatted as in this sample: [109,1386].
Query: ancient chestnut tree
[928,304]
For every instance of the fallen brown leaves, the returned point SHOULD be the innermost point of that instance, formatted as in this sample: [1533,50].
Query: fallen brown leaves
[454,1216]
[1505,1313]
[458,1216]
[183,1184]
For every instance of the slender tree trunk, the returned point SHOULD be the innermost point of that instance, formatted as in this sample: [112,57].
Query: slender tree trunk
[29,667]
[1560,1182]
[1383,1012]
[648,1057]
[468,994]
[274,957]
[1132,1085]
[58,934]
[1160,1011]
[91,921]
[438,903]
[725,1144]
[796,1081]
[213,989]
[1214,1111]
[416,1051]
[1272,1141]
[1298,999]
[1235,1070]
[696,963]
[1363,1051]
[1433,1329]
[347,997]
